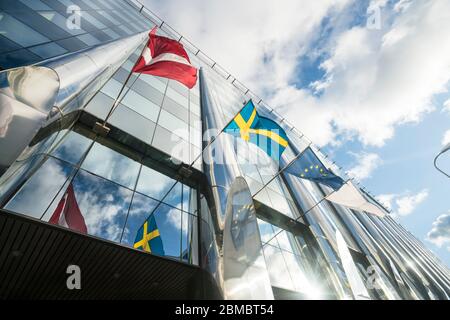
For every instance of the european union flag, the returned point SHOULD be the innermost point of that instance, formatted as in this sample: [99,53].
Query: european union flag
[148,238]
[263,132]
[308,166]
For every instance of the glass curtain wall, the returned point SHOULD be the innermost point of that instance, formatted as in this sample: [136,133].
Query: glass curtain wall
[116,191]
[34,30]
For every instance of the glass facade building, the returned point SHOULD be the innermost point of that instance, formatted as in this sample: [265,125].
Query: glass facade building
[165,156]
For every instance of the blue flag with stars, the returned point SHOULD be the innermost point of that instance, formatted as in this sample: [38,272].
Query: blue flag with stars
[148,238]
[308,166]
[263,132]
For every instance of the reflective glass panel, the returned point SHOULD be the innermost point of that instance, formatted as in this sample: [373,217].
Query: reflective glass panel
[18,32]
[38,192]
[111,165]
[103,204]
[154,183]
[48,50]
[72,148]
[140,210]
[189,245]
[167,221]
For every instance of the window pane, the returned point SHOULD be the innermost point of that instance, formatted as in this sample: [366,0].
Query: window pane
[106,15]
[92,20]
[155,82]
[7,45]
[265,230]
[89,39]
[154,183]
[48,50]
[189,245]
[42,146]
[114,35]
[111,165]
[148,92]
[173,198]
[175,109]
[278,272]
[16,174]
[172,123]
[133,123]
[140,210]
[177,97]
[72,147]
[170,143]
[103,205]
[126,29]
[100,105]
[35,4]
[179,88]
[38,192]
[18,32]
[284,241]
[301,282]
[189,199]
[112,88]
[141,105]
[60,21]
[167,220]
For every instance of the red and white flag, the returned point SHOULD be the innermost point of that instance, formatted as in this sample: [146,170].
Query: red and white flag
[68,214]
[167,58]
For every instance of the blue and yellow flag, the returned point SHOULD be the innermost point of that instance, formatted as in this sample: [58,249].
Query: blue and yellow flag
[308,166]
[148,238]
[263,132]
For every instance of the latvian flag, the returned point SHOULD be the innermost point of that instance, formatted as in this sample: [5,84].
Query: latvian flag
[68,214]
[167,58]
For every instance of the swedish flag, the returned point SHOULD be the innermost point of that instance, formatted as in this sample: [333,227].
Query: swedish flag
[263,132]
[148,238]
[308,166]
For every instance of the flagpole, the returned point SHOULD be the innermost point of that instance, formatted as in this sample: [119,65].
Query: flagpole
[100,127]
[282,169]
[314,206]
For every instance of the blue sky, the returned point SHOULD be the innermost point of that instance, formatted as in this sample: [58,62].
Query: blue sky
[366,80]
[406,169]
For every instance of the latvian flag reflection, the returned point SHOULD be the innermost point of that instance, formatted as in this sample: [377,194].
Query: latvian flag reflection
[68,214]
[167,58]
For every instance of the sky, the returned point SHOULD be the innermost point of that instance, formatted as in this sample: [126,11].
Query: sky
[368,81]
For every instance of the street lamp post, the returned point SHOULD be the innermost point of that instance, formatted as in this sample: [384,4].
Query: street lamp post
[445,149]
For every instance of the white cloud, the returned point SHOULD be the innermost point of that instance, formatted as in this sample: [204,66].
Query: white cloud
[385,78]
[250,38]
[174,218]
[403,204]
[446,138]
[374,80]
[386,200]
[38,192]
[440,231]
[407,204]
[402,5]
[100,211]
[111,165]
[366,164]
[446,105]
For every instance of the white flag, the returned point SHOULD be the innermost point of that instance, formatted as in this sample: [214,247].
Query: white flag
[348,195]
